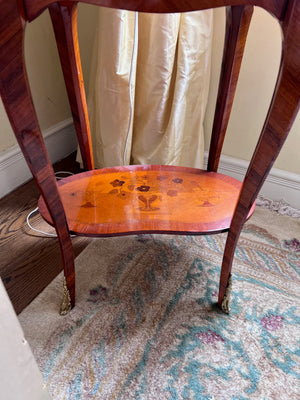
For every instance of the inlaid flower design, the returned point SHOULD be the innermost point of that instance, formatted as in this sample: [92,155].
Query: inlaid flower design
[147,203]
[143,188]
[123,195]
[117,183]
[177,180]
[172,193]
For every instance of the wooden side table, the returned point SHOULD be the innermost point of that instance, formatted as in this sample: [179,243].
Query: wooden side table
[135,199]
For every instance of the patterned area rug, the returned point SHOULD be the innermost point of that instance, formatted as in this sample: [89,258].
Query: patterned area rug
[146,325]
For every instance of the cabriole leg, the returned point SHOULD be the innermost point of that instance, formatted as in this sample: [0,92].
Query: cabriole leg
[238,20]
[16,96]
[283,110]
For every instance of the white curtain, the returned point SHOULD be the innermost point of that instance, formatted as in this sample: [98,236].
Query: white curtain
[148,87]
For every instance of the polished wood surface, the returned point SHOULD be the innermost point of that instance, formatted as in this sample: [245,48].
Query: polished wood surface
[17,100]
[16,97]
[140,199]
[64,21]
[275,7]
[238,20]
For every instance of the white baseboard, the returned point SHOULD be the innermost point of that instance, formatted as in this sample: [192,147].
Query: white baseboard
[279,185]
[60,141]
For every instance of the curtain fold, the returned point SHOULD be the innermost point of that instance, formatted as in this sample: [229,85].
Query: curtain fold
[148,87]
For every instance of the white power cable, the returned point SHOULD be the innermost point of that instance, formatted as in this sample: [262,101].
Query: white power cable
[133,56]
[34,229]
[62,172]
[37,209]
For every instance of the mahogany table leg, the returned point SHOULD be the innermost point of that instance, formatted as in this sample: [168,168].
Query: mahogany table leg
[283,110]
[238,20]
[64,20]
[16,96]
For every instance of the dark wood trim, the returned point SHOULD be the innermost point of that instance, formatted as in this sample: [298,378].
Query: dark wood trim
[275,7]
[64,20]
[238,20]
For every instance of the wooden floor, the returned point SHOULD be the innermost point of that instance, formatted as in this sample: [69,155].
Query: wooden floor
[29,261]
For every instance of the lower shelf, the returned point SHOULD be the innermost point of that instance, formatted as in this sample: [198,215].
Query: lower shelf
[147,198]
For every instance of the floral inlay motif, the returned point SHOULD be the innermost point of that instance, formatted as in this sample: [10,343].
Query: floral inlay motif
[293,245]
[117,183]
[177,180]
[143,188]
[272,322]
[147,203]
[172,193]
[123,195]
[165,186]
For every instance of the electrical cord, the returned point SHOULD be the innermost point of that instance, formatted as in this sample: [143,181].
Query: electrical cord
[58,177]
[34,229]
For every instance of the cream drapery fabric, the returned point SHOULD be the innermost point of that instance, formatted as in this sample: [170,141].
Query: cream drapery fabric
[148,88]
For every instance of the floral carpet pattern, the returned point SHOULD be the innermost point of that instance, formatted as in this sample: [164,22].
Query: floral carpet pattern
[146,324]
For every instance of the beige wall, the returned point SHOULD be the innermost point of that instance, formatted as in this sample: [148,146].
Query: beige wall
[254,91]
[45,74]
